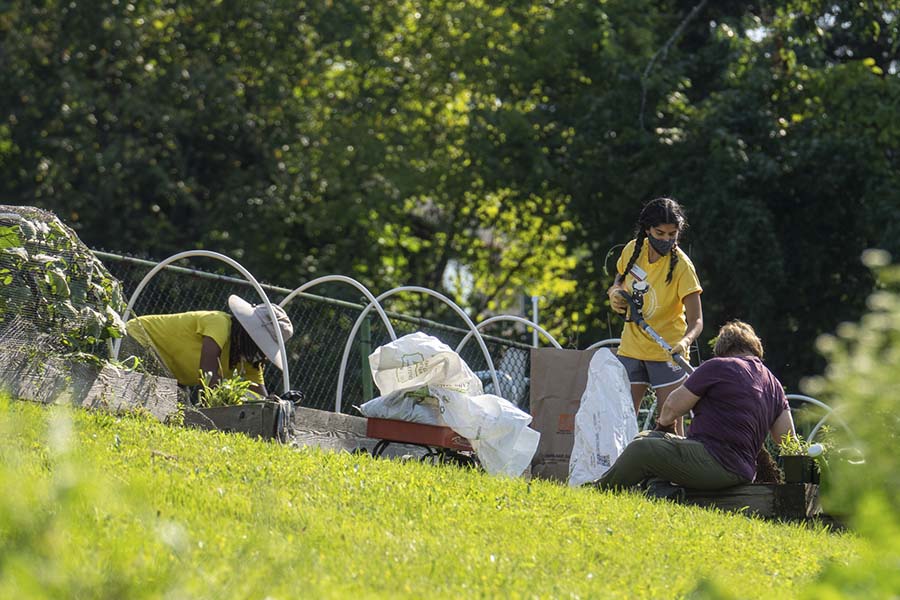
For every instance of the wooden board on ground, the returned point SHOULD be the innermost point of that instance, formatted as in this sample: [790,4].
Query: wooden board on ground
[337,431]
[256,419]
[773,501]
[51,379]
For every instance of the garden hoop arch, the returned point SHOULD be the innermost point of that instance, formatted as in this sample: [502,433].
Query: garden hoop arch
[514,318]
[408,288]
[116,345]
[829,413]
[350,281]
[605,343]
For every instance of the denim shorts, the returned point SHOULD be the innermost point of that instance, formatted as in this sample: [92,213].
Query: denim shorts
[655,373]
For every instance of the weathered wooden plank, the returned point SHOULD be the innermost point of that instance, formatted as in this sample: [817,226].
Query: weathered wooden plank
[340,432]
[51,379]
[759,499]
[787,501]
[311,427]
[116,389]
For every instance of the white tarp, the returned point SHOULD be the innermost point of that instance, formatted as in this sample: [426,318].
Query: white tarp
[605,422]
[419,376]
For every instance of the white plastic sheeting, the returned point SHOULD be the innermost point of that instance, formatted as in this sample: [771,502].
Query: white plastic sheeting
[605,421]
[415,406]
[418,374]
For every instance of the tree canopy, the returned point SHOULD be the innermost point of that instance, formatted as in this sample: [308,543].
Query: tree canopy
[487,149]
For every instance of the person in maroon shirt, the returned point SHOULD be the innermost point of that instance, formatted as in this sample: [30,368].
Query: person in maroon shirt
[736,401]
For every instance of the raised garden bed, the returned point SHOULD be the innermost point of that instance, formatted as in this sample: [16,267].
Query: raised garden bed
[799,469]
[767,500]
[256,419]
[51,379]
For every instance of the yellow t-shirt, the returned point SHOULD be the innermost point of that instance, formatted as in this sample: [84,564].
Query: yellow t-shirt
[663,302]
[178,339]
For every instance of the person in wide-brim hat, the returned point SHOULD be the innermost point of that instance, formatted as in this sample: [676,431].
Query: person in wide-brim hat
[257,322]
[215,343]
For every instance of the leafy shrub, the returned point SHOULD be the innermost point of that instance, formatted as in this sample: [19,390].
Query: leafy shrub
[861,383]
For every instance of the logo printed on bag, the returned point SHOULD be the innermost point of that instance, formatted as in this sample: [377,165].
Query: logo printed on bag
[566,424]
[413,365]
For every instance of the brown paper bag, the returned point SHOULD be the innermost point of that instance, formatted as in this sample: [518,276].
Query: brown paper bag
[558,379]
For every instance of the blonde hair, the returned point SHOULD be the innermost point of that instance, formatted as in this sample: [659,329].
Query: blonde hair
[737,338]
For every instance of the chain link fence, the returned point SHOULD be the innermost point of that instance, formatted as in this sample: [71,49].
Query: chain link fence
[321,328]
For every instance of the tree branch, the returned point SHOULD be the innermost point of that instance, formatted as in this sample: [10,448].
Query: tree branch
[664,51]
[509,274]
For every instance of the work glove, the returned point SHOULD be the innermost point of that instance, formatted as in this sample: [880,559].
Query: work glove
[616,301]
[295,396]
[682,347]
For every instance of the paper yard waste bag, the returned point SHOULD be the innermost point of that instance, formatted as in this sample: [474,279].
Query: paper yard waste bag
[558,380]
[605,422]
[497,430]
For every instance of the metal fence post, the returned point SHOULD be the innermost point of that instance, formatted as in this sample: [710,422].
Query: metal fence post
[365,349]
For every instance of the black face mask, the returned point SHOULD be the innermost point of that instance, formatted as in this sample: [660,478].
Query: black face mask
[661,246]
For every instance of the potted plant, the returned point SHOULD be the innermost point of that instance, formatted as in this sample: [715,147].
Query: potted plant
[800,460]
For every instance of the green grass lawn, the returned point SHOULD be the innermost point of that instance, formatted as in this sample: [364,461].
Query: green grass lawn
[95,505]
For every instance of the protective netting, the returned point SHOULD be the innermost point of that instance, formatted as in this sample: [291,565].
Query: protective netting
[55,295]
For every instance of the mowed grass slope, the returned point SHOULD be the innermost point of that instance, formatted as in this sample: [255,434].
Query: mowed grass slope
[102,506]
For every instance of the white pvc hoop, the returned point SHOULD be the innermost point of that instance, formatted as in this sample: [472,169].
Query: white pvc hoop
[515,318]
[828,414]
[286,380]
[410,288]
[349,280]
[605,343]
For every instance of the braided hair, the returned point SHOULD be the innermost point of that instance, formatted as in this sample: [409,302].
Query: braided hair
[242,346]
[658,211]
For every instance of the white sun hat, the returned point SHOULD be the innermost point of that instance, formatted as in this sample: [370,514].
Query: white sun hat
[257,321]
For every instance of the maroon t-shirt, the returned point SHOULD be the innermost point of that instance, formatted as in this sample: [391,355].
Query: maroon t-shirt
[740,399]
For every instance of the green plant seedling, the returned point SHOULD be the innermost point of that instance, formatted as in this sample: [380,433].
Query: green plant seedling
[229,391]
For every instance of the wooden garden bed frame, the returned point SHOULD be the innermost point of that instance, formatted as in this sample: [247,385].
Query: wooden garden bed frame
[789,501]
[255,419]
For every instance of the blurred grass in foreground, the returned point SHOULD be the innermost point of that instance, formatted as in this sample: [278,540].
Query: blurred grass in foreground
[96,505]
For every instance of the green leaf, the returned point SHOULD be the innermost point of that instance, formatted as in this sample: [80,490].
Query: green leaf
[9,236]
[58,283]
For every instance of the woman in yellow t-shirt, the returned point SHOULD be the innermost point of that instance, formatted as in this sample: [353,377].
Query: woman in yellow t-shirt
[660,275]
[215,342]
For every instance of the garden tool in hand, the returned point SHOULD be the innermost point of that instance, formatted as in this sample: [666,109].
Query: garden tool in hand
[635,315]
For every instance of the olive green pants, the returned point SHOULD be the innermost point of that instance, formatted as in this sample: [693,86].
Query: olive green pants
[668,457]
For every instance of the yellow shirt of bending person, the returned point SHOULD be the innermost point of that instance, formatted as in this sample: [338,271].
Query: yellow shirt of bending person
[178,339]
[663,302]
